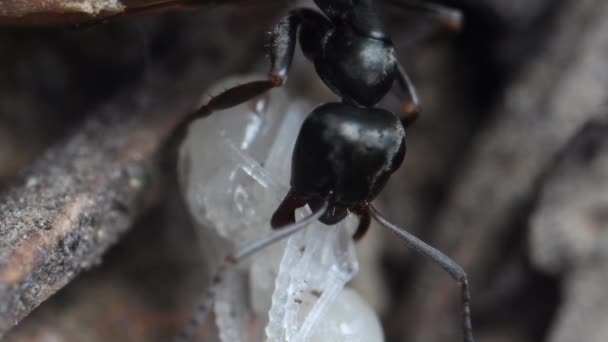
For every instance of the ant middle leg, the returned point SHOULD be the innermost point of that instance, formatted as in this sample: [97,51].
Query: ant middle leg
[282,47]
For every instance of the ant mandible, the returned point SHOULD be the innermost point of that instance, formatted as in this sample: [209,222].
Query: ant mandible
[345,151]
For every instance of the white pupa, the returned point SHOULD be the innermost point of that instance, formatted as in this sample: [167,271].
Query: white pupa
[234,170]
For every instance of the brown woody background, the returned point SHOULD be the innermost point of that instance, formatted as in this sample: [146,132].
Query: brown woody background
[507,170]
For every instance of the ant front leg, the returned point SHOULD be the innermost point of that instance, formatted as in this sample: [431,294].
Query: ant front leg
[282,46]
[405,88]
[449,18]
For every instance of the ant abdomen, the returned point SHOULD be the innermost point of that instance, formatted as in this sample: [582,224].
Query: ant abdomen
[346,153]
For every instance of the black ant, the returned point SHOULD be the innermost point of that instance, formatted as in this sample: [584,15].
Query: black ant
[345,151]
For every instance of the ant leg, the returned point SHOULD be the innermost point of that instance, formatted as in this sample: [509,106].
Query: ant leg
[449,265]
[204,306]
[206,302]
[403,86]
[282,47]
[449,18]
[282,233]
[364,222]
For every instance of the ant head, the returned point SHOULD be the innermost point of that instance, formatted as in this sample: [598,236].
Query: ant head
[345,154]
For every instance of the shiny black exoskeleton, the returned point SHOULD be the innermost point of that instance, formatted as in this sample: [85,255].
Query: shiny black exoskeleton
[352,53]
[345,151]
[355,58]
[345,154]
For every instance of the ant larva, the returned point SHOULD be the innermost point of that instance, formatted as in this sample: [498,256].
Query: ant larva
[345,151]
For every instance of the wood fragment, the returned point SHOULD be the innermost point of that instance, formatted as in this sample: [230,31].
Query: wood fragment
[76,201]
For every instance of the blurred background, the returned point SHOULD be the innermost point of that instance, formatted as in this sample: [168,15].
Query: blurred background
[506,170]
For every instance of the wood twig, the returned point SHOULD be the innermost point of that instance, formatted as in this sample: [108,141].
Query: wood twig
[75,201]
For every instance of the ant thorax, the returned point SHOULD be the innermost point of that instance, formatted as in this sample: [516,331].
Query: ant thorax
[346,54]
[235,169]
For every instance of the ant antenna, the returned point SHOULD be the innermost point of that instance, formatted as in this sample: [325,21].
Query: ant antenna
[449,265]
[206,302]
[276,236]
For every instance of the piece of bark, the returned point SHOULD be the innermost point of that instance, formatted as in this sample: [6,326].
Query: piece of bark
[78,199]
[75,201]
[569,234]
[142,292]
[554,96]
